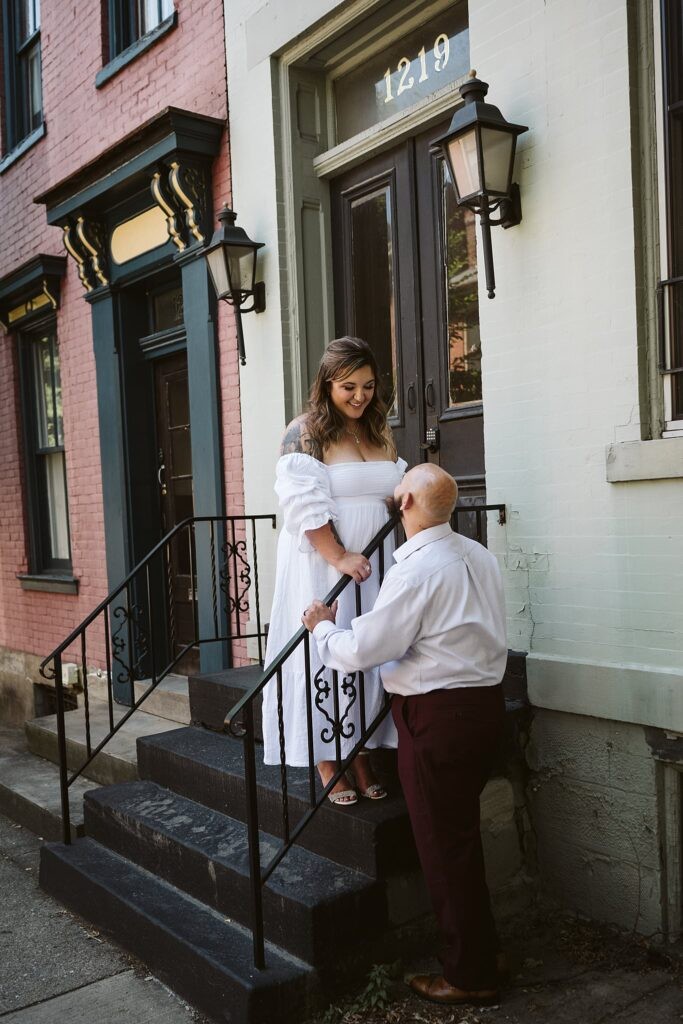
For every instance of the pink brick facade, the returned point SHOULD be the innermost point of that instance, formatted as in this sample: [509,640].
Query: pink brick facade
[185,69]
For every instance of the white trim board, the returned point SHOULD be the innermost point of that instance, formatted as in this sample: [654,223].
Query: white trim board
[659,459]
[621,693]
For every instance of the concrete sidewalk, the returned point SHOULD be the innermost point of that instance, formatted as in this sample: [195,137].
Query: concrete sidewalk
[53,967]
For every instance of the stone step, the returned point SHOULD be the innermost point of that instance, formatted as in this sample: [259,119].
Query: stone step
[203,956]
[212,695]
[169,699]
[314,908]
[372,837]
[30,794]
[117,762]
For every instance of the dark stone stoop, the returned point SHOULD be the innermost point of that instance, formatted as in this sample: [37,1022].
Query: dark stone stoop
[212,695]
[163,868]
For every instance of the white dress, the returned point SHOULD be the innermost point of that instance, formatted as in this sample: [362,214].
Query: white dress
[311,494]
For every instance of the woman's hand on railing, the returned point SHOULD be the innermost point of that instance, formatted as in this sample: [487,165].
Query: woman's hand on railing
[353,564]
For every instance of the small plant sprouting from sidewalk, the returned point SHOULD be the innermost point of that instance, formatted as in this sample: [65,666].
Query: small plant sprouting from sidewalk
[375,996]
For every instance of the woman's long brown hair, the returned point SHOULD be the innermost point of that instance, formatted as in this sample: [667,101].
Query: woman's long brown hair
[324,423]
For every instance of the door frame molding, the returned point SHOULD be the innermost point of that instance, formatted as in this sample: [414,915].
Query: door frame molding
[305,162]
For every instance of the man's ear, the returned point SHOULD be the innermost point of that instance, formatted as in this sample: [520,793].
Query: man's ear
[407,501]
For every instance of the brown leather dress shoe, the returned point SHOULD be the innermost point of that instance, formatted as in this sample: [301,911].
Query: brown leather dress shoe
[435,988]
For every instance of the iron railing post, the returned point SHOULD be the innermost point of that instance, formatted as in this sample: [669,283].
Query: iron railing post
[61,743]
[253,838]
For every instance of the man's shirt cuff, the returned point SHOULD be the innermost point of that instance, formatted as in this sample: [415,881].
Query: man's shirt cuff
[323,629]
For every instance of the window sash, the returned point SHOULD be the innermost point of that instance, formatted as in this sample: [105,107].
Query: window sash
[56,521]
[130,20]
[23,85]
[47,494]
[671,290]
[27,20]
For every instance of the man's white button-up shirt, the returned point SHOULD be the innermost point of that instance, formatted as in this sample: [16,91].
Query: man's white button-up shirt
[438,622]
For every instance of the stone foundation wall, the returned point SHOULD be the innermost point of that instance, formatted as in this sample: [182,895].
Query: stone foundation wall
[19,676]
[593,802]
[18,673]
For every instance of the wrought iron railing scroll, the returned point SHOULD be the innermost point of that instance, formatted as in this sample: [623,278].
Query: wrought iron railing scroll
[470,519]
[141,632]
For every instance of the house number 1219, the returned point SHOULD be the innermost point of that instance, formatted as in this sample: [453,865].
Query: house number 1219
[441,52]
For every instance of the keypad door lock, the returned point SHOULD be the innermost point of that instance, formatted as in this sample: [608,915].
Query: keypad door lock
[431,441]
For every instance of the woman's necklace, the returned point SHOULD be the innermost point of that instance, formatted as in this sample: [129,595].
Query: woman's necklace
[356,436]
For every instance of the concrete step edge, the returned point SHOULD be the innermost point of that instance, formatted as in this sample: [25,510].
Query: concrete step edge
[30,795]
[116,762]
[204,957]
[310,904]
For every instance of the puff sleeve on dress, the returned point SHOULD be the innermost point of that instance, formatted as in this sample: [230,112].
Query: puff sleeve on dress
[302,485]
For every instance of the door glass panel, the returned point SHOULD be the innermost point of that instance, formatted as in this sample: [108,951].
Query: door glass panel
[167,309]
[180,447]
[372,269]
[178,402]
[460,290]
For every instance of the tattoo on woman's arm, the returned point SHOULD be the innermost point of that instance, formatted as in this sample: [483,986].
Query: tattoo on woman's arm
[296,439]
[293,440]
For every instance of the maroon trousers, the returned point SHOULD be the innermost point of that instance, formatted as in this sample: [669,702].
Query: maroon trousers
[447,742]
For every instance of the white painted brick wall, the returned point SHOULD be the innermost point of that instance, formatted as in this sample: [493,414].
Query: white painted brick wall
[254,30]
[593,570]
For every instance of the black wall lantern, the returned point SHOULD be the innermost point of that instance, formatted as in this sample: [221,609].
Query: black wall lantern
[232,264]
[480,149]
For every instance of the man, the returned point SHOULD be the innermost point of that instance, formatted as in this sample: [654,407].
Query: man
[438,632]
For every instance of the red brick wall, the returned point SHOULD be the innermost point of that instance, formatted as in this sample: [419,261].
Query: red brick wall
[185,69]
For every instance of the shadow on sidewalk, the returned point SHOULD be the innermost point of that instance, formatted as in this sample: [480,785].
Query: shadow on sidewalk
[563,970]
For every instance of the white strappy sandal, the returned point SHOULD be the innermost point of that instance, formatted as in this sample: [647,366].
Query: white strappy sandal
[344,798]
[375,790]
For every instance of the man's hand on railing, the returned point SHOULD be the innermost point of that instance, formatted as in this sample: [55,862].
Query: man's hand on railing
[319,612]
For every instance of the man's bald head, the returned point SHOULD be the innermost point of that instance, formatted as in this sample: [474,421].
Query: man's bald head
[434,493]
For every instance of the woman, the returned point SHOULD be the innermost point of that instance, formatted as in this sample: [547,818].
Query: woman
[338,464]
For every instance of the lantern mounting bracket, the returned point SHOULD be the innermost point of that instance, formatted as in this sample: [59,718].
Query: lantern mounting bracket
[479,150]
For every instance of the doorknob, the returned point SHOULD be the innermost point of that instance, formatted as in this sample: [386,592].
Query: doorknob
[431,441]
[160,470]
[429,393]
[410,396]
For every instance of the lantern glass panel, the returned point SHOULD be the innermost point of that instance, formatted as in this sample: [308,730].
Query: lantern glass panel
[218,267]
[465,164]
[241,267]
[497,147]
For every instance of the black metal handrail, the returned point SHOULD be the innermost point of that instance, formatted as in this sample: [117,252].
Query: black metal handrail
[145,622]
[240,722]
[138,626]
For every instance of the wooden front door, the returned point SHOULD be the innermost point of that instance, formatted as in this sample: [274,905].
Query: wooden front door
[174,476]
[406,282]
